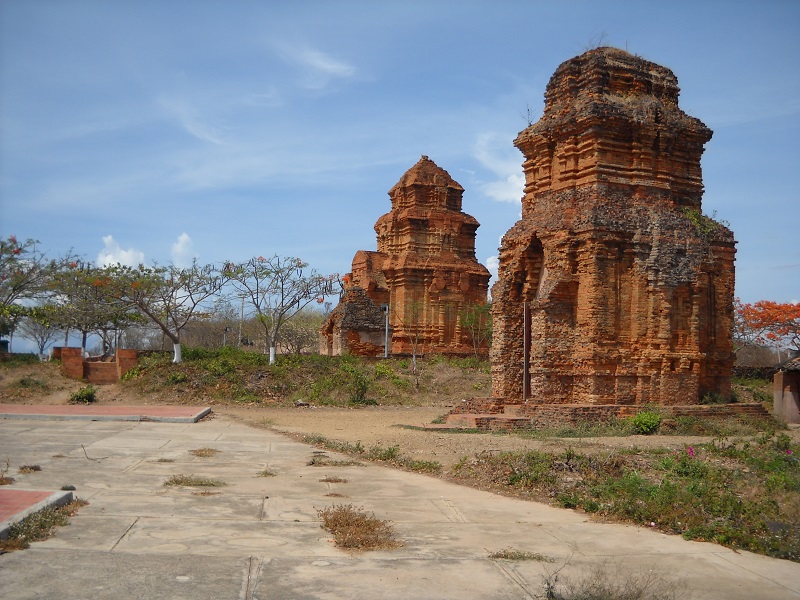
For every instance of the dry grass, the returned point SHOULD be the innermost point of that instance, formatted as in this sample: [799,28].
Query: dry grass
[25,469]
[320,461]
[354,529]
[204,452]
[165,460]
[512,554]
[193,481]
[612,583]
[330,479]
[206,493]
[267,472]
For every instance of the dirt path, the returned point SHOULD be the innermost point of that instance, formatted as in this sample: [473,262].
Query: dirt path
[382,426]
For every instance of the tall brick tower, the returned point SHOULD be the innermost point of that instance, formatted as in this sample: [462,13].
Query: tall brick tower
[613,288]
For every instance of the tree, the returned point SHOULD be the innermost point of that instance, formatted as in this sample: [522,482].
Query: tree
[412,327]
[23,270]
[476,319]
[278,288]
[767,322]
[40,326]
[168,296]
[84,303]
[302,331]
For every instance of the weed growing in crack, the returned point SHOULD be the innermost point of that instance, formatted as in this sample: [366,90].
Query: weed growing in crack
[193,481]
[25,469]
[204,452]
[512,554]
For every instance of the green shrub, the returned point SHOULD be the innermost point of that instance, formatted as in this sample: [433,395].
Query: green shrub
[646,422]
[85,395]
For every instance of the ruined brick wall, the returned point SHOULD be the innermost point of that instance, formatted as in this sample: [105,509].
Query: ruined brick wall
[627,289]
[356,326]
[74,366]
[424,269]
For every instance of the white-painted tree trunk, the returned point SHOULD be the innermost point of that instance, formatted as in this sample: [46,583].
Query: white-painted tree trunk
[272,355]
[176,348]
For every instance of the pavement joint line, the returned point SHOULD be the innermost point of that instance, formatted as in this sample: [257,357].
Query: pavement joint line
[122,537]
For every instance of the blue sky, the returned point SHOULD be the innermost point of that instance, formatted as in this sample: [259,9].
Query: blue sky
[165,130]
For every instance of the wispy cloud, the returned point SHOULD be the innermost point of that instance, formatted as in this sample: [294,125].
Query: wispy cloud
[192,121]
[114,254]
[183,252]
[492,151]
[318,68]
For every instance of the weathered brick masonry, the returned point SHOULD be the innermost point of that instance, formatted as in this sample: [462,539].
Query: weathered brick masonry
[627,289]
[425,270]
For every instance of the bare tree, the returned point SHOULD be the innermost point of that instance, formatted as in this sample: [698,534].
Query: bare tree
[476,319]
[278,288]
[40,326]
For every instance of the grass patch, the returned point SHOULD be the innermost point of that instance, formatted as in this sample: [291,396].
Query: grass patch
[30,382]
[233,376]
[330,479]
[85,395]
[165,460]
[193,481]
[391,455]
[267,472]
[25,469]
[206,493]
[204,452]
[512,554]
[5,479]
[321,461]
[741,494]
[39,526]
[608,583]
[354,529]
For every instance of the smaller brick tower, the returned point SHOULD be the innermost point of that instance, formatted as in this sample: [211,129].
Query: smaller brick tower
[424,270]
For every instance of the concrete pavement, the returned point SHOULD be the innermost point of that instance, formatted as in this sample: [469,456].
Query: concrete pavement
[259,537]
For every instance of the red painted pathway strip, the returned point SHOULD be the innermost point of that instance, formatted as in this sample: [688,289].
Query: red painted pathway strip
[15,501]
[181,414]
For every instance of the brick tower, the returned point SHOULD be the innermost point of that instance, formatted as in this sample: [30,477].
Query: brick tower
[424,270]
[613,287]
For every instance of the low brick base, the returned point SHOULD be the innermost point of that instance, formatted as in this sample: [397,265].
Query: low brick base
[490,415]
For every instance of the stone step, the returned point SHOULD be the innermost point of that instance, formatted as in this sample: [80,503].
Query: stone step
[488,422]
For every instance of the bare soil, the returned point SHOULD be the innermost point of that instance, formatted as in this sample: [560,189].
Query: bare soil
[383,426]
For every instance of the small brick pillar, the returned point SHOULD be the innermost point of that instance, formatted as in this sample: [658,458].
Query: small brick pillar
[72,363]
[786,396]
[126,360]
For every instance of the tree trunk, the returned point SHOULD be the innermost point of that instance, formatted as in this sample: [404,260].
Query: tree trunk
[272,355]
[176,349]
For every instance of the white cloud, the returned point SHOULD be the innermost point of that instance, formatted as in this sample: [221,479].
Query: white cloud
[493,264]
[493,152]
[183,251]
[114,254]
